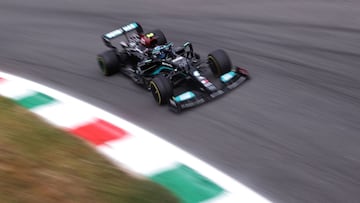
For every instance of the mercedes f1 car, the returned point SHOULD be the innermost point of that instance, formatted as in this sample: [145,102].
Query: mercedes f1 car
[177,77]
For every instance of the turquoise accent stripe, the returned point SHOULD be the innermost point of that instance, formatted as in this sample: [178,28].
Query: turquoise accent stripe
[227,76]
[161,68]
[187,184]
[135,25]
[184,96]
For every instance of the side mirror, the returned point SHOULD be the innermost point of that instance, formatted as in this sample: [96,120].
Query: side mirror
[180,51]
[191,53]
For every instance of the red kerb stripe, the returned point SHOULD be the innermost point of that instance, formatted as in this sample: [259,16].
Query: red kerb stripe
[2,79]
[99,132]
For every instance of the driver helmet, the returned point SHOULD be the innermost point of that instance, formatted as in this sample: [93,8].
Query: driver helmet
[148,40]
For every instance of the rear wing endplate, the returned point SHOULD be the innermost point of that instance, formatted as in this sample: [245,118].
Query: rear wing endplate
[121,31]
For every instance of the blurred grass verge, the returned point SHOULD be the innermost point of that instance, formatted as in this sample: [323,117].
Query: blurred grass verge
[39,163]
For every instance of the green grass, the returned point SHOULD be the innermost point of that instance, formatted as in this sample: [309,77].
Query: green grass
[39,163]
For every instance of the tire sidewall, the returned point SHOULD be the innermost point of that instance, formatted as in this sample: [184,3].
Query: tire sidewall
[108,62]
[161,39]
[161,89]
[219,62]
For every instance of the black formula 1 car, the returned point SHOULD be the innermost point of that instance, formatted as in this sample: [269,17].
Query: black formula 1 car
[175,76]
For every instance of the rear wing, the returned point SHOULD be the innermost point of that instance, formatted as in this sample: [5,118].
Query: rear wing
[122,31]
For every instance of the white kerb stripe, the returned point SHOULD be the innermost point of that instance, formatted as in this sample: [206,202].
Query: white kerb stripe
[64,115]
[14,90]
[139,155]
[225,198]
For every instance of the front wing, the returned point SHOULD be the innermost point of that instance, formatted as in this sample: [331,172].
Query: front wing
[239,76]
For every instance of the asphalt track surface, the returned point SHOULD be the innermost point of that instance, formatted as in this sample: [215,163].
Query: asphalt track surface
[291,133]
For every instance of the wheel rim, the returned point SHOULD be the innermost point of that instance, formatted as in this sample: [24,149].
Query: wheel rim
[155,92]
[216,65]
[102,65]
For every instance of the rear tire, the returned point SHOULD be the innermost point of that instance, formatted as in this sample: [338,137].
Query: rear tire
[161,89]
[219,62]
[160,37]
[108,62]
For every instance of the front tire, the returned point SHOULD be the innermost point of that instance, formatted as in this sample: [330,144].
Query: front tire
[219,62]
[108,62]
[161,89]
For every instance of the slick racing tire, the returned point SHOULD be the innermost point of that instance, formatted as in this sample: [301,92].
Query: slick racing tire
[161,89]
[219,62]
[108,62]
[160,37]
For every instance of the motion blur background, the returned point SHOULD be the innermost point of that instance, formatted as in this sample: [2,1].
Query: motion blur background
[291,133]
